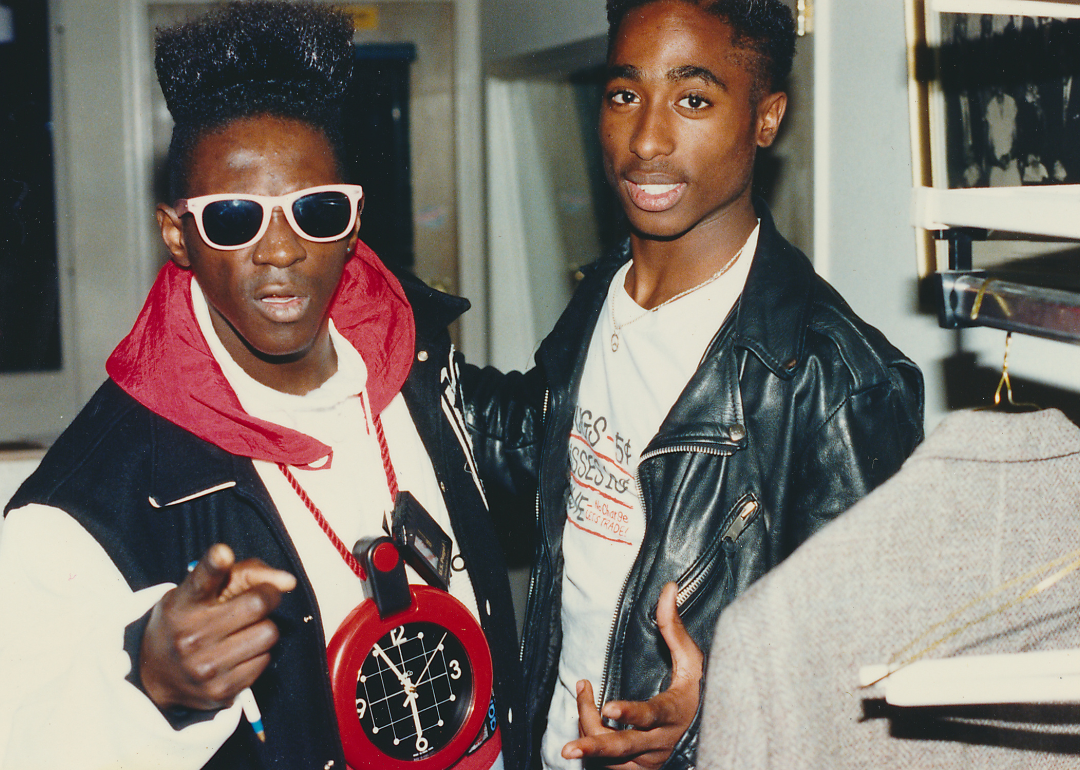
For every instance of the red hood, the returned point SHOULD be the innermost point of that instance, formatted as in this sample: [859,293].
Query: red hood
[165,364]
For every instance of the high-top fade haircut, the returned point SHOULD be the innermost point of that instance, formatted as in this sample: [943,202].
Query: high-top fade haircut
[764,27]
[250,58]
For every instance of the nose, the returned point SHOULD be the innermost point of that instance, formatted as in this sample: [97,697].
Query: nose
[280,246]
[652,135]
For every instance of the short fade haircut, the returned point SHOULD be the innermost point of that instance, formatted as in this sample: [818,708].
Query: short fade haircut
[765,27]
[251,58]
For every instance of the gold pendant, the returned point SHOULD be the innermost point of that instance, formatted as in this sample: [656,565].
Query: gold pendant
[614,341]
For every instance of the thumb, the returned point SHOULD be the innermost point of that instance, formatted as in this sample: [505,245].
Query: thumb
[205,582]
[687,660]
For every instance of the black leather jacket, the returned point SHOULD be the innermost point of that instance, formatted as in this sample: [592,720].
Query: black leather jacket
[797,410]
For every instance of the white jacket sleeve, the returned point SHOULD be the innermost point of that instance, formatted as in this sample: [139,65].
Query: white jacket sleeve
[64,699]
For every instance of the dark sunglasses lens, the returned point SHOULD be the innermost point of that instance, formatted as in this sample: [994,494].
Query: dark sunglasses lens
[232,222]
[323,214]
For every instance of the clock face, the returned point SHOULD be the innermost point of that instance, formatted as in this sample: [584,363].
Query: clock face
[414,690]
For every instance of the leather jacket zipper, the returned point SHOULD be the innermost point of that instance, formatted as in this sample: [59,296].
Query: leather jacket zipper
[622,595]
[532,572]
[708,450]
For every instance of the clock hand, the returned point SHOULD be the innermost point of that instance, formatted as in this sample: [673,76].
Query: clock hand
[410,700]
[405,681]
[420,678]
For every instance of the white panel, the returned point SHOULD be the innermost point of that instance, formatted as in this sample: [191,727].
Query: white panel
[1039,210]
[512,329]
[1067,9]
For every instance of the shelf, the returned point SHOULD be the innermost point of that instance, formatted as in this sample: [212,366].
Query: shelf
[1047,210]
[1065,9]
[1041,303]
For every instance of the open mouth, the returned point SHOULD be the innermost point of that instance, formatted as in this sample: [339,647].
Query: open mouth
[283,308]
[655,197]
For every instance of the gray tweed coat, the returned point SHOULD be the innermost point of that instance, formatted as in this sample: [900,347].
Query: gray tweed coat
[987,497]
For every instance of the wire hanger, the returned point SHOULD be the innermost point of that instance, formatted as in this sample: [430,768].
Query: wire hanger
[1006,383]
[1058,568]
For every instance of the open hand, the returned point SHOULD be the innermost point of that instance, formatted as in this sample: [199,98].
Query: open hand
[211,636]
[657,723]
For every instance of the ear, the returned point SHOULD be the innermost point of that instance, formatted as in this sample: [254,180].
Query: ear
[355,232]
[172,233]
[770,112]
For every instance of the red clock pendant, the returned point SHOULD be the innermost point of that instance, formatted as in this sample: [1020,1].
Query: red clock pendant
[411,690]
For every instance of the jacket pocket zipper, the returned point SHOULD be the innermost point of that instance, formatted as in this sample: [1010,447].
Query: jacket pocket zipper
[747,510]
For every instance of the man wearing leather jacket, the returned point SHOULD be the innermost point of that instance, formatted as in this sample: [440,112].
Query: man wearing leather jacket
[705,403]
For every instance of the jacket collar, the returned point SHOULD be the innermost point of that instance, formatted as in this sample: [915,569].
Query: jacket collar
[165,364]
[769,321]
[433,310]
[771,315]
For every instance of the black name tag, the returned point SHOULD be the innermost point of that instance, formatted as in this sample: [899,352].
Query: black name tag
[425,545]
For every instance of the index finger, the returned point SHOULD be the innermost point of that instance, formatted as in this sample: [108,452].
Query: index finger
[209,576]
[249,573]
[588,715]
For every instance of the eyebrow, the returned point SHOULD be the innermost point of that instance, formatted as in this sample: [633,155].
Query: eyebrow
[693,72]
[686,72]
[623,72]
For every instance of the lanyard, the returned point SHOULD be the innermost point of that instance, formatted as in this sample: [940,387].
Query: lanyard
[324,525]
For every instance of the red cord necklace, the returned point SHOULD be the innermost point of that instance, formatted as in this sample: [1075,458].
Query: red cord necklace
[391,482]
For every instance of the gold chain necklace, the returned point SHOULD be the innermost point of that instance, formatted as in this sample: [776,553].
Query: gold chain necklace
[680,295]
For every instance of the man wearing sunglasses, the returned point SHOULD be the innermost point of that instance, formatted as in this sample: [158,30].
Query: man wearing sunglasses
[182,554]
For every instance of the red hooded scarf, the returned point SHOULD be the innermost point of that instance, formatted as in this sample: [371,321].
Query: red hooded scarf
[165,364]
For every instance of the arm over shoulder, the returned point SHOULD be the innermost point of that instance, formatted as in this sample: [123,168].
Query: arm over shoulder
[505,416]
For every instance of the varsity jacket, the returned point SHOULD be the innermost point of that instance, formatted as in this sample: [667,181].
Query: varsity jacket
[155,497]
[797,409]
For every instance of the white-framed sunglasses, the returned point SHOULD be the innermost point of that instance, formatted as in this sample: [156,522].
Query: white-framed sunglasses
[232,221]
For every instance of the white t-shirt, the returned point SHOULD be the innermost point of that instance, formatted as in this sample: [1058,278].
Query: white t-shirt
[624,396]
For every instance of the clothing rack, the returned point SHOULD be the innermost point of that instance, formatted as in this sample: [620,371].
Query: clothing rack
[977,298]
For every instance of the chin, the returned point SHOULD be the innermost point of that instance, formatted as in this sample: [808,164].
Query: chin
[658,231]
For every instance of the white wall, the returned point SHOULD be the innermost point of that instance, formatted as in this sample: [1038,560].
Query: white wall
[512,29]
[864,242]
[102,280]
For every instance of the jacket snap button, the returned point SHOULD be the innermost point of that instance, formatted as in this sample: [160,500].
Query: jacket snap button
[421,356]
[737,432]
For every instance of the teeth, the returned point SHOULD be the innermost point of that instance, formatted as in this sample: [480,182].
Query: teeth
[280,300]
[657,189]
